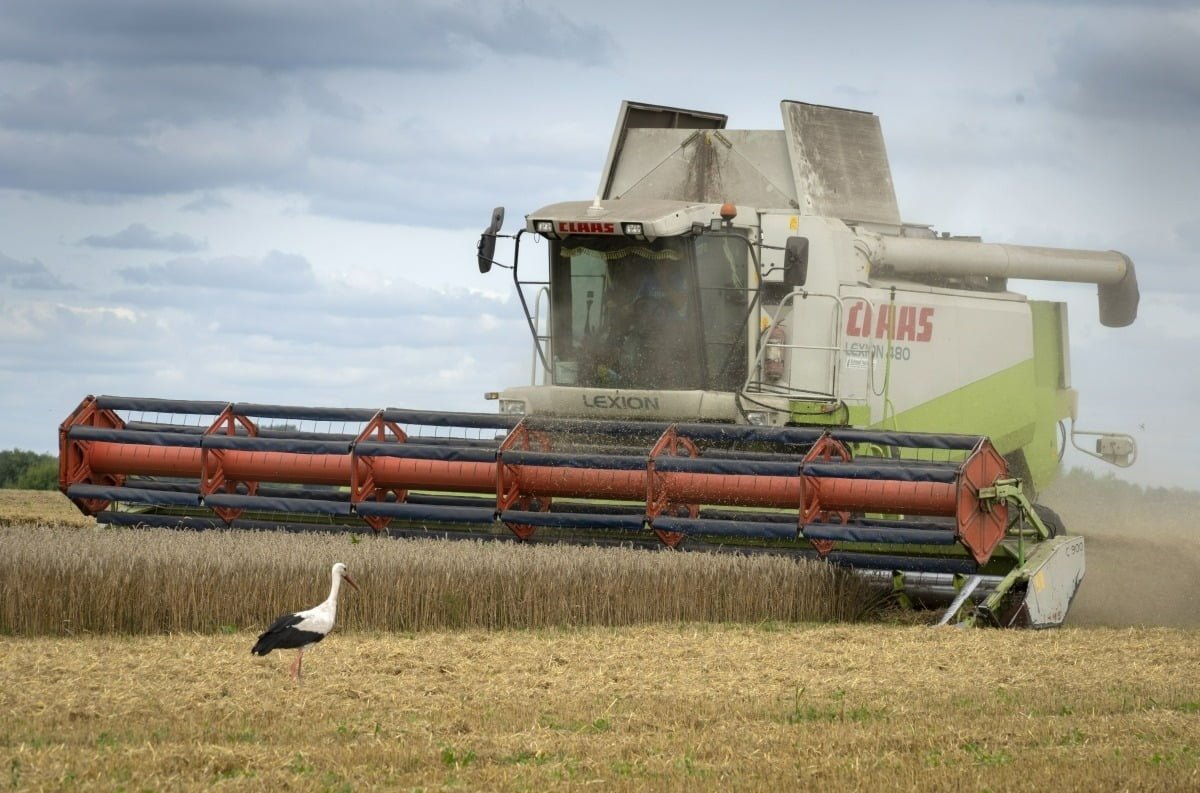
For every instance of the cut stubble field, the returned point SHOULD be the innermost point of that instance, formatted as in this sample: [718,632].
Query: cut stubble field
[675,707]
[675,702]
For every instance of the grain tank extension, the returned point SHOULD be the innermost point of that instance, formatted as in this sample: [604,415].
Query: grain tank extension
[737,346]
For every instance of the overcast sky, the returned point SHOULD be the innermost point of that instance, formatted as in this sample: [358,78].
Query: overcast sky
[278,201]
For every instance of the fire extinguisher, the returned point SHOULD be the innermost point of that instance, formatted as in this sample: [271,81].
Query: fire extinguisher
[773,360]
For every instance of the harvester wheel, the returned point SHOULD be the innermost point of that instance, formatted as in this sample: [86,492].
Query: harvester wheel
[1053,522]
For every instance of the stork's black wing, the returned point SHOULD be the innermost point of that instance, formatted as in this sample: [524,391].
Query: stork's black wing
[282,635]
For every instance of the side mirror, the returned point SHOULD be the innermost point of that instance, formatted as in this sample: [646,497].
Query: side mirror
[487,240]
[795,262]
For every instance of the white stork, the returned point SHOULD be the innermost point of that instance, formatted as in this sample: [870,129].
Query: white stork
[304,628]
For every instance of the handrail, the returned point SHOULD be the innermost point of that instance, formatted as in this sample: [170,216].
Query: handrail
[787,308]
[540,339]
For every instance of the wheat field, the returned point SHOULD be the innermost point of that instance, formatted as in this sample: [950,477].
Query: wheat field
[67,581]
[125,666]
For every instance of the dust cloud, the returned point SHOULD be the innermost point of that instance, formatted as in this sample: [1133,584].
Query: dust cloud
[1143,551]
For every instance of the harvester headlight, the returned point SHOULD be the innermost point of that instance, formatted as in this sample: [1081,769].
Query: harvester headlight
[512,407]
[544,227]
[633,230]
[759,418]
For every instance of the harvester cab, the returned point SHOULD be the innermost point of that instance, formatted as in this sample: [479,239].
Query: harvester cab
[738,346]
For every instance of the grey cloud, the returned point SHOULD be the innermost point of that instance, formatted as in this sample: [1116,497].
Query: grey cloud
[31,275]
[307,34]
[1140,5]
[10,266]
[406,346]
[205,203]
[326,101]
[306,310]
[378,169]
[130,100]
[1189,233]
[43,281]
[139,236]
[388,174]
[1148,72]
[1170,261]
[76,164]
[275,273]
[133,97]
[444,189]
[321,319]
[330,332]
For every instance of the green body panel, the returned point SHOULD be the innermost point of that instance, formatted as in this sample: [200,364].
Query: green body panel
[1019,407]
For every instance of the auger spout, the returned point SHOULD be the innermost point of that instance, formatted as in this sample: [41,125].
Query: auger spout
[1111,271]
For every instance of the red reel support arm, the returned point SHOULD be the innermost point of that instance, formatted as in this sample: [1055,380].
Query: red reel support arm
[362,469]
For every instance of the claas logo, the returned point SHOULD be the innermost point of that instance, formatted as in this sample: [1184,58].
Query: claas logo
[585,227]
[907,323]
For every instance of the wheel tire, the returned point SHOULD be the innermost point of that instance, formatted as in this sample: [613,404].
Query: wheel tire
[1048,516]
[1018,469]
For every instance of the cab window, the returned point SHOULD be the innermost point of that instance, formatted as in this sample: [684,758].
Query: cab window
[625,314]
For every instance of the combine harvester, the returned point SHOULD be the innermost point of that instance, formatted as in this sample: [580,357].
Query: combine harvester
[737,345]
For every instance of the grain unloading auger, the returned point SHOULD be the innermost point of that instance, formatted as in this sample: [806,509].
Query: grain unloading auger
[737,345]
[935,528]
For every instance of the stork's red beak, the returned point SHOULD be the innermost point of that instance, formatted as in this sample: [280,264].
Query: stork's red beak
[346,577]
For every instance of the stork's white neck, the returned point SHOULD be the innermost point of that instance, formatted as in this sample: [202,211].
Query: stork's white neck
[333,591]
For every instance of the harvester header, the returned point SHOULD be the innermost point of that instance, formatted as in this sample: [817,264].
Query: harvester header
[799,491]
